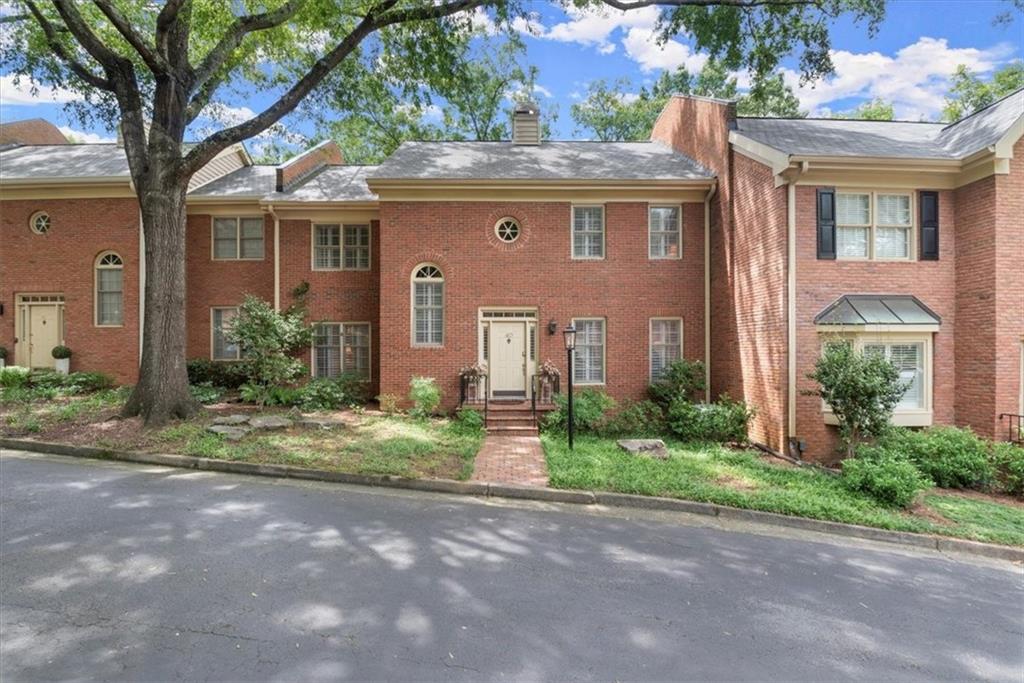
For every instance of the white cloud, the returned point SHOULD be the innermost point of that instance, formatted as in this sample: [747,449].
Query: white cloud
[592,27]
[218,115]
[27,93]
[541,90]
[915,79]
[80,136]
[642,47]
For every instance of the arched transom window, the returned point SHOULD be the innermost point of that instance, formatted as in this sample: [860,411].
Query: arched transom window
[109,289]
[427,305]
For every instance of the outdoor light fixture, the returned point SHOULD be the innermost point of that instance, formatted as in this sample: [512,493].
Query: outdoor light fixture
[552,325]
[570,346]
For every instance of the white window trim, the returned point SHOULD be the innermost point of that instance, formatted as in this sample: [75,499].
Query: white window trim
[872,225]
[604,356]
[604,234]
[212,356]
[238,238]
[650,342]
[903,417]
[412,305]
[341,246]
[96,289]
[679,231]
[369,339]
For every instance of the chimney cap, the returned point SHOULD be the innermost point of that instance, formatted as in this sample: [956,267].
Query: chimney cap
[526,107]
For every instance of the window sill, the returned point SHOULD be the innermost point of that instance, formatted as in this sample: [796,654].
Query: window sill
[909,418]
[229,260]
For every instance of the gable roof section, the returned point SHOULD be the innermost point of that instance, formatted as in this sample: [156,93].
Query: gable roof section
[63,163]
[894,139]
[549,161]
[31,132]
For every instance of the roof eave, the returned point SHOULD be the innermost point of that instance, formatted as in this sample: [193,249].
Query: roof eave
[528,183]
[38,181]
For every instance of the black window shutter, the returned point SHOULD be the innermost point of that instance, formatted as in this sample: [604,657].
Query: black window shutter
[826,223]
[929,226]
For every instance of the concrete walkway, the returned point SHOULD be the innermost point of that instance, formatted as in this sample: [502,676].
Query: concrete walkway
[511,460]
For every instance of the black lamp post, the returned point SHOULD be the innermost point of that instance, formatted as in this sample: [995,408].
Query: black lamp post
[570,347]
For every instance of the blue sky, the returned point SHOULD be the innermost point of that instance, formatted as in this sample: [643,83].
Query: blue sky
[907,62]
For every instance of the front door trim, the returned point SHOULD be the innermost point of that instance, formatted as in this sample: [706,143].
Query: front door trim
[527,315]
[22,332]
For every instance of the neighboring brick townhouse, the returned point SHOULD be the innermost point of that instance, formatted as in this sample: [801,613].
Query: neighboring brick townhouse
[743,242]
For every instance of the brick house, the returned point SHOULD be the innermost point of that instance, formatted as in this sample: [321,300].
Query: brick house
[742,242]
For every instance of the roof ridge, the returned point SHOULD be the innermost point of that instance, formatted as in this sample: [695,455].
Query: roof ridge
[833,119]
[987,106]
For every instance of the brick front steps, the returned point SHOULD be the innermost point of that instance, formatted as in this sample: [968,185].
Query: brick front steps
[514,418]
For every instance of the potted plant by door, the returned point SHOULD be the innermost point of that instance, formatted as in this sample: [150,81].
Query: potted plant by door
[549,375]
[471,376]
[63,356]
[3,356]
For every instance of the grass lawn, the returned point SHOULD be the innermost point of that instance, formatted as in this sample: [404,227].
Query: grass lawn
[367,443]
[745,479]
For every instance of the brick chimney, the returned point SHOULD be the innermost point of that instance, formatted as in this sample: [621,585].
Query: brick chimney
[305,164]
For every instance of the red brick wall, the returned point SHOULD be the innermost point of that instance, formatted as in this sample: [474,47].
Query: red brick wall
[990,298]
[750,293]
[819,283]
[328,154]
[62,261]
[210,283]
[334,296]
[626,288]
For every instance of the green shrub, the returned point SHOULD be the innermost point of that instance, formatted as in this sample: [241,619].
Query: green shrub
[206,392]
[861,388]
[86,382]
[950,456]
[888,478]
[270,340]
[723,421]
[13,377]
[1008,462]
[270,396]
[637,418]
[425,396]
[590,411]
[682,379]
[227,374]
[3,353]
[325,393]
[469,421]
[388,403]
[47,379]
[61,352]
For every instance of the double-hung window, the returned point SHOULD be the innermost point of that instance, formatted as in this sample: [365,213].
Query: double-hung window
[341,348]
[588,358]
[874,225]
[237,238]
[109,290]
[666,344]
[427,306]
[588,232]
[223,347]
[664,236]
[327,247]
[356,250]
[908,357]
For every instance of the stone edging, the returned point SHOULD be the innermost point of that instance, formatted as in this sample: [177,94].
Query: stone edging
[906,538]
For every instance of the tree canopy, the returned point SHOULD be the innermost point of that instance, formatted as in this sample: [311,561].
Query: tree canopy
[969,93]
[610,111]
[876,109]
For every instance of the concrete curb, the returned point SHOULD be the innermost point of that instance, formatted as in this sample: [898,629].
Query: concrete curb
[485,489]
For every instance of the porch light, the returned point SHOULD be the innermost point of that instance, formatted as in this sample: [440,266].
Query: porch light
[570,337]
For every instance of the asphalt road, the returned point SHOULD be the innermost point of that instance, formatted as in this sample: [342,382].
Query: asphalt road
[125,572]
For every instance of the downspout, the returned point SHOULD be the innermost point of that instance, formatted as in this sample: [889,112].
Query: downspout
[277,257]
[791,344]
[142,283]
[707,291]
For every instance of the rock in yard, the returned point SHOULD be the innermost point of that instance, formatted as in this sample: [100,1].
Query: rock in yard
[325,423]
[230,432]
[654,448]
[231,420]
[270,422]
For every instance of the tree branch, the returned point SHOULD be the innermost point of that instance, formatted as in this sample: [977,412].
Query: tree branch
[638,4]
[76,67]
[154,61]
[212,145]
[107,58]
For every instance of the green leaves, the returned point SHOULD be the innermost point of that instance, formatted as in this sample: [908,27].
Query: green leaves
[269,340]
[969,93]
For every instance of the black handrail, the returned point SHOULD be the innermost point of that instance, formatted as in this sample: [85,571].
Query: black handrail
[464,384]
[536,385]
[1013,426]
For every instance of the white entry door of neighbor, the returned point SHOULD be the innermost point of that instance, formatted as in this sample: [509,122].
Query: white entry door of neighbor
[40,331]
[508,359]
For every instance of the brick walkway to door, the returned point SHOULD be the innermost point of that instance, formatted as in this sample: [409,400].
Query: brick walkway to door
[511,460]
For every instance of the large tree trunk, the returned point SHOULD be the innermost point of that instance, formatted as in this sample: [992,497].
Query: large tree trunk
[162,391]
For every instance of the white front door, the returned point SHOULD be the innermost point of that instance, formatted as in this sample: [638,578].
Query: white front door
[508,359]
[40,332]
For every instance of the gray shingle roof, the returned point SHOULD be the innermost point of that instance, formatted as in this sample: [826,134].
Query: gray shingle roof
[548,161]
[837,137]
[332,184]
[248,181]
[38,162]
[876,309]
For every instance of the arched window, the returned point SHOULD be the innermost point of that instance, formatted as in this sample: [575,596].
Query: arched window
[109,290]
[427,305]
